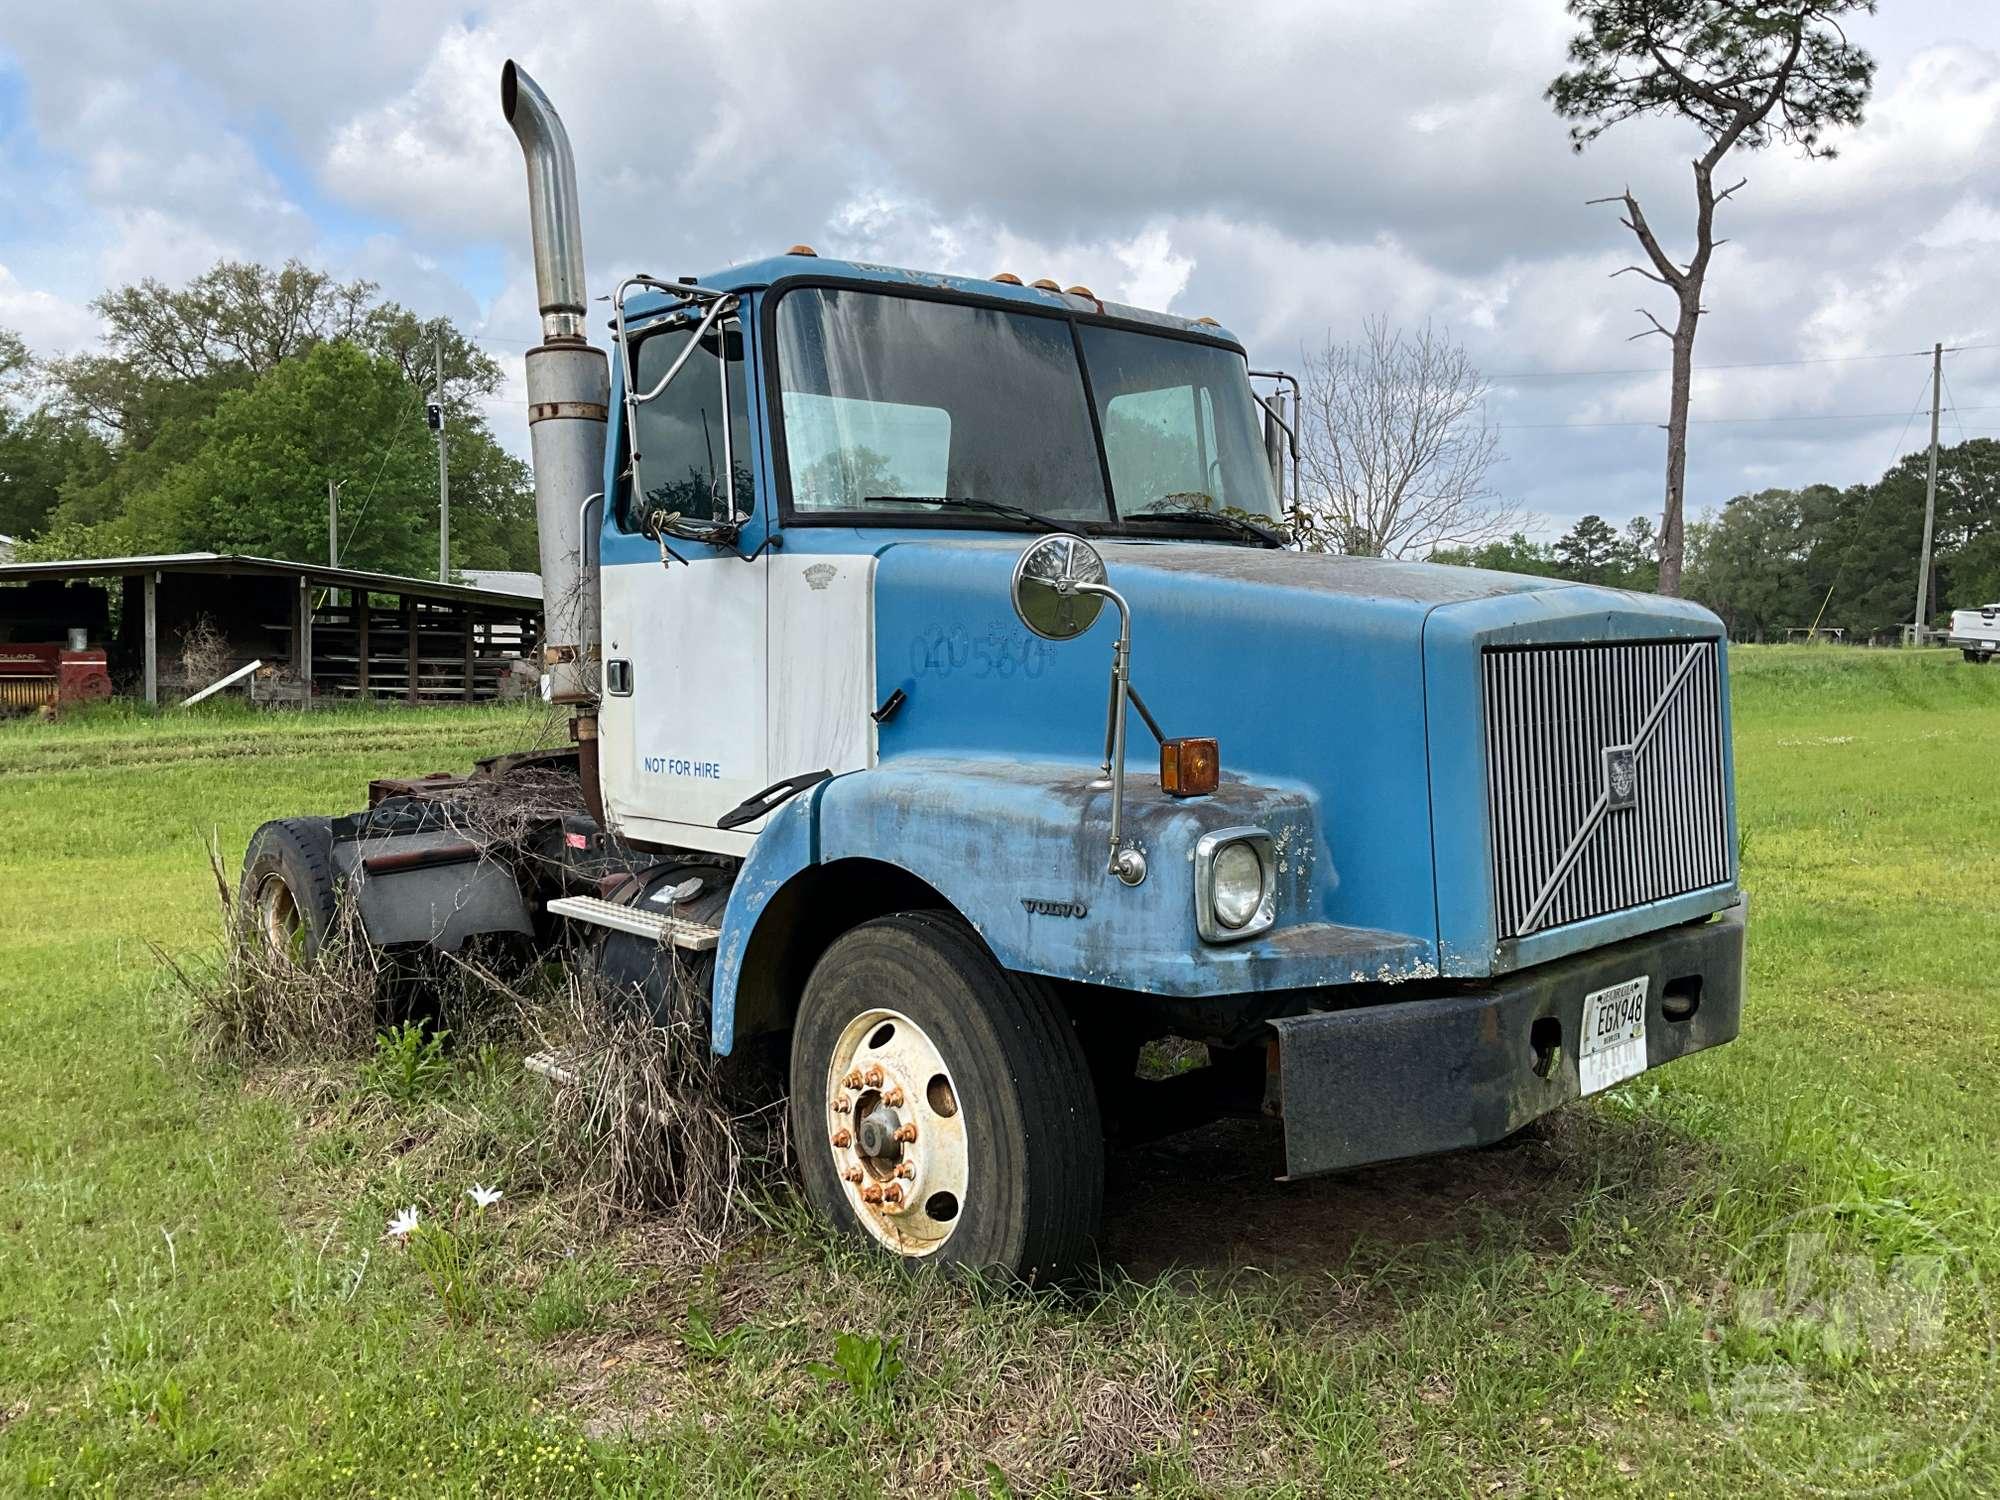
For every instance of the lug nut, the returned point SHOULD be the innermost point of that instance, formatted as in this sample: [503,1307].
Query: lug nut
[894,1098]
[906,1169]
[873,1077]
[841,1139]
[893,1193]
[907,1132]
[873,1194]
[852,1174]
[840,1105]
[852,1080]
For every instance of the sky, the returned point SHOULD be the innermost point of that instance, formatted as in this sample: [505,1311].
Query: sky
[1287,168]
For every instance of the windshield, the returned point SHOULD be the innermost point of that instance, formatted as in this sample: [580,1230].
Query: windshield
[890,401]
[1180,425]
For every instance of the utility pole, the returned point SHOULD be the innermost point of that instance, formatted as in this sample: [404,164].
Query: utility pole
[333,523]
[444,468]
[1922,616]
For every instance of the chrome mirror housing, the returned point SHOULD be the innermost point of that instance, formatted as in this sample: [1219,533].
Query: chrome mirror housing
[1059,590]
[1049,586]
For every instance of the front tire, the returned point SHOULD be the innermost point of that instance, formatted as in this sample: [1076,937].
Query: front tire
[941,1105]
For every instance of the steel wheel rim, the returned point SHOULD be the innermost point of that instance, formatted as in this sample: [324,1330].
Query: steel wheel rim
[896,1132]
[278,919]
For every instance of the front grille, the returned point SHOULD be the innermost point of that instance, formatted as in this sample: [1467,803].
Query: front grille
[1577,832]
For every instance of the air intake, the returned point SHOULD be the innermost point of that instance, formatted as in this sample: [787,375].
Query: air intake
[1606,778]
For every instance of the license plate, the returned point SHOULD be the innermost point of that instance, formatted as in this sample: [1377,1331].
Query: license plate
[1613,1044]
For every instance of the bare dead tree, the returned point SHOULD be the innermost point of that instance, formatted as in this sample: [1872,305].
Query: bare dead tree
[1744,73]
[1396,448]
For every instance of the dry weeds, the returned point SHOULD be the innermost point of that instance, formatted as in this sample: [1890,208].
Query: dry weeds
[205,654]
[247,1003]
[649,1122]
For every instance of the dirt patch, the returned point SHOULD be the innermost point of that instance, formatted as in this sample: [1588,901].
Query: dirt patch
[1209,1200]
[1177,1364]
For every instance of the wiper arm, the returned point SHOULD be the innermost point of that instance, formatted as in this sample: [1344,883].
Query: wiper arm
[971,503]
[1250,531]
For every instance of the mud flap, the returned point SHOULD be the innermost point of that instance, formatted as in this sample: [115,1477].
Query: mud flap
[1417,1077]
[431,888]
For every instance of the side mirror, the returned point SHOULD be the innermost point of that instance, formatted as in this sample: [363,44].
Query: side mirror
[1059,590]
[1048,587]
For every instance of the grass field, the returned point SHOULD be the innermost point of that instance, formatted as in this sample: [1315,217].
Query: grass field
[1753,1272]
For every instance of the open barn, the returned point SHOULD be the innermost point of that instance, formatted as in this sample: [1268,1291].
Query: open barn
[169,626]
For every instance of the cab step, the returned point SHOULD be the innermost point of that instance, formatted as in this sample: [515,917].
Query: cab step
[695,937]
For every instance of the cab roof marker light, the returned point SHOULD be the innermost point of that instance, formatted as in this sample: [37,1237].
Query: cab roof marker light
[1008,278]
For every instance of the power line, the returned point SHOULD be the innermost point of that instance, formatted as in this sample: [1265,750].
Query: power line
[1952,409]
[1851,416]
[1915,407]
[395,438]
[1748,364]
[1877,496]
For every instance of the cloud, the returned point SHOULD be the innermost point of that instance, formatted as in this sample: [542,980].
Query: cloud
[1287,168]
[50,324]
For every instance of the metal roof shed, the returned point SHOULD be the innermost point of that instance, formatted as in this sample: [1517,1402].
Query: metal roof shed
[428,641]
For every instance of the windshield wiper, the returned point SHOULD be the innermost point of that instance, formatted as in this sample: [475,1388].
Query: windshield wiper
[984,507]
[1250,531]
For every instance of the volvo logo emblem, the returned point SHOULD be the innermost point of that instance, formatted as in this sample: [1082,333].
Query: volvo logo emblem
[1621,778]
[1037,908]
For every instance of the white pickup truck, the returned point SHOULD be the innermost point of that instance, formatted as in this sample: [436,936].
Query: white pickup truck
[1976,632]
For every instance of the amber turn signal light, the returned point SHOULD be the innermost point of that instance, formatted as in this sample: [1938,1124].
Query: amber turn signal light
[1189,767]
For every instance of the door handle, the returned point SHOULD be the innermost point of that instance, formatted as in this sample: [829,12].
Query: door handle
[758,803]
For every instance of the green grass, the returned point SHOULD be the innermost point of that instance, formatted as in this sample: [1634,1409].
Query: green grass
[195,1298]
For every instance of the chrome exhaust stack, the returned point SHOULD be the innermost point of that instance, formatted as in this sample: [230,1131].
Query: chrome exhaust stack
[569,389]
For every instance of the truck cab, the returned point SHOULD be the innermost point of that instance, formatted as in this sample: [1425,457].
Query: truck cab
[944,675]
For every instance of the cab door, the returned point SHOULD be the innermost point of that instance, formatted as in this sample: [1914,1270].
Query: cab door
[682,720]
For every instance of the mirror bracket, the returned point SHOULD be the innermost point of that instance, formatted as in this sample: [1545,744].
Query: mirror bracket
[1067,569]
[1126,862]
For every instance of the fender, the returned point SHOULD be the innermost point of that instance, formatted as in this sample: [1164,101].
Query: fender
[422,891]
[1020,849]
[788,843]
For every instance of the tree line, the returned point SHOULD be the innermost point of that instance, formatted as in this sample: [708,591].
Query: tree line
[213,416]
[1779,559]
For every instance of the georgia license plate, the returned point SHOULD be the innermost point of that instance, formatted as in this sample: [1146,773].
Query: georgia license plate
[1613,1044]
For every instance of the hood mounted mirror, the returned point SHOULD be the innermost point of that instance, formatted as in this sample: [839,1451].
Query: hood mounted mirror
[1048,593]
[1059,590]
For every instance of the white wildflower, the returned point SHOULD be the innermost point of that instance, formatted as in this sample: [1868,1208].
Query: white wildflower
[404,1224]
[483,1197]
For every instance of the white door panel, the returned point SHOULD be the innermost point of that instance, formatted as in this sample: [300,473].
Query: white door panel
[822,670]
[689,743]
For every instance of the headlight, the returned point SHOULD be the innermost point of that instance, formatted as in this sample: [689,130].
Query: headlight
[1235,884]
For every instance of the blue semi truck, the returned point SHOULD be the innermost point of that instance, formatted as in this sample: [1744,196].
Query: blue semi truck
[860,584]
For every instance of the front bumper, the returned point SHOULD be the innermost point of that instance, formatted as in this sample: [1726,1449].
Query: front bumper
[1415,1077]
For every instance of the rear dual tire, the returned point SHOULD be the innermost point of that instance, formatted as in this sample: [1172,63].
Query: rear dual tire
[941,1105]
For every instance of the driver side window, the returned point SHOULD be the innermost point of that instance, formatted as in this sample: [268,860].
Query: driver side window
[679,433]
